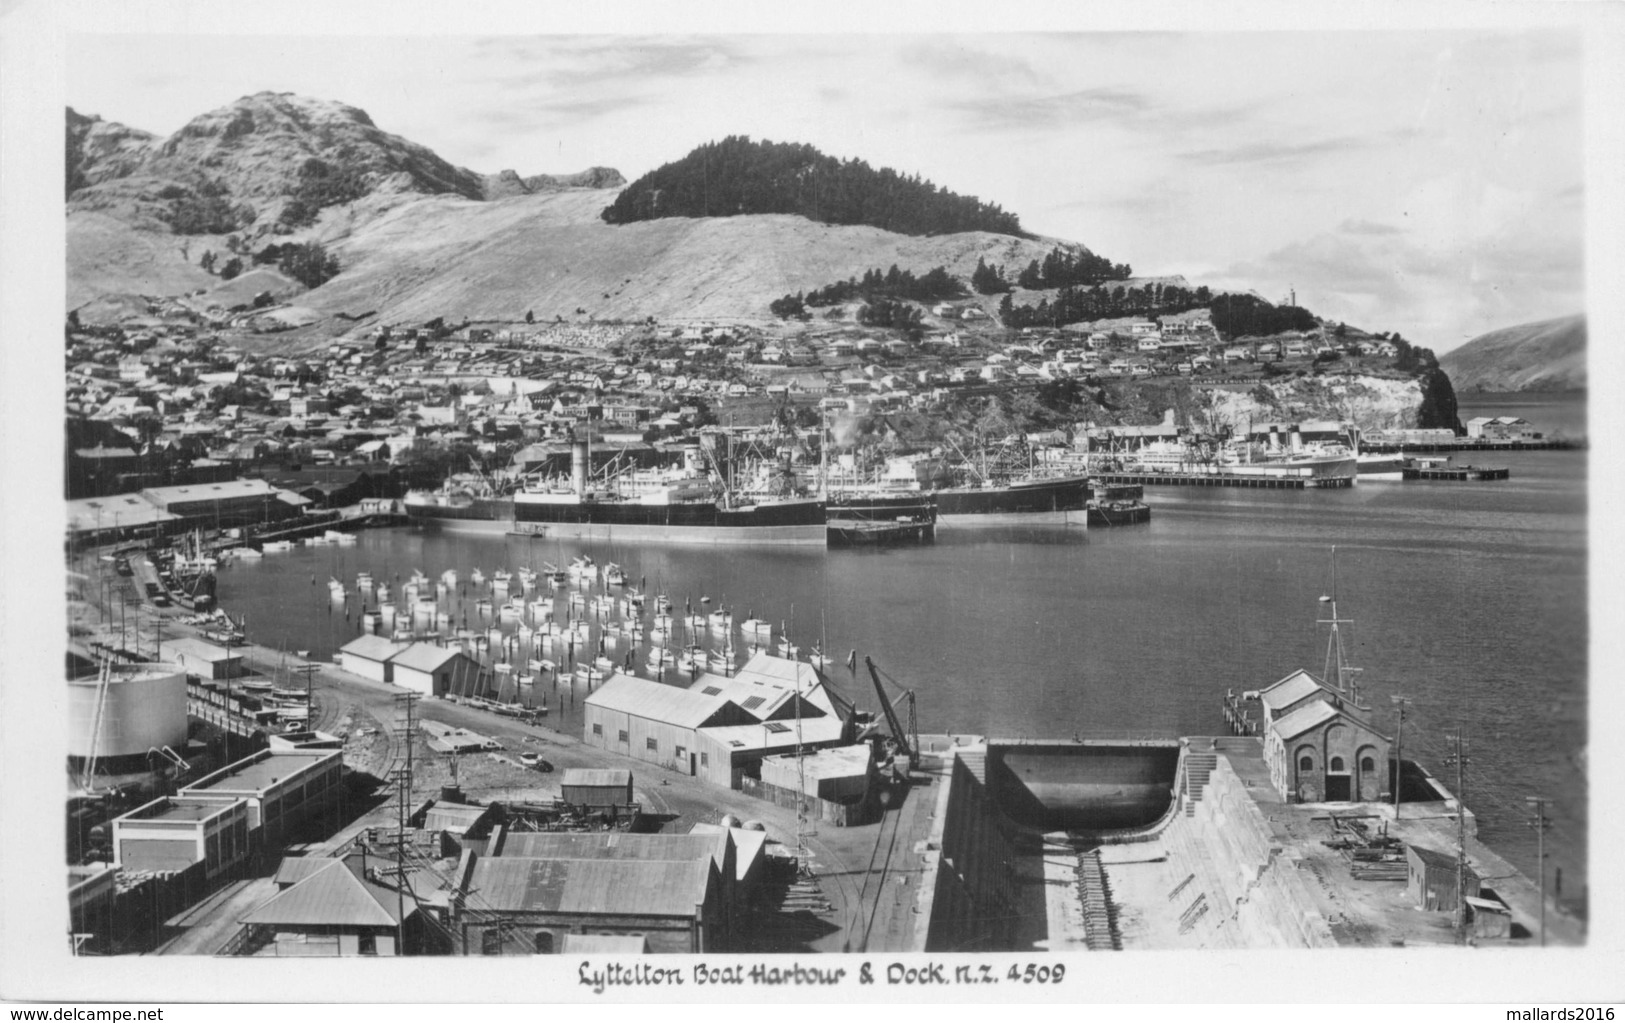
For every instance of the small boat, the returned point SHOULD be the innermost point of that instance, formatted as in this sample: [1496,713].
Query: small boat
[276,546]
[347,540]
[501,576]
[696,623]
[449,578]
[613,575]
[756,627]
[723,619]
[692,660]
[332,535]
[541,610]
[662,620]
[483,605]
[663,604]
[363,580]
[603,664]
[477,577]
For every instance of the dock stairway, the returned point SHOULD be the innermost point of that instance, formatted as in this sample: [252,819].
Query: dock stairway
[1100,932]
[975,758]
[1198,769]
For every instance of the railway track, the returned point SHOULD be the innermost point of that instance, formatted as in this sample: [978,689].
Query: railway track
[890,824]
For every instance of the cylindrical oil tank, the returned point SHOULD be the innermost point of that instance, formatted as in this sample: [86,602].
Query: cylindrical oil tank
[144,707]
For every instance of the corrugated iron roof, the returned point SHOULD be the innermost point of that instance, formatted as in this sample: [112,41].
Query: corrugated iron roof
[613,845]
[748,845]
[598,777]
[372,648]
[425,657]
[1290,690]
[294,869]
[755,737]
[330,897]
[1304,718]
[630,887]
[656,701]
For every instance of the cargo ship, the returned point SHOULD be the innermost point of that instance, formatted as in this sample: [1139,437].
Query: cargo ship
[663,506]
[911,484]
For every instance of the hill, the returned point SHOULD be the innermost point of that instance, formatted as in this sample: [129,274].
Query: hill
[553,255]
[418,237]
[1548,355]
[740,177]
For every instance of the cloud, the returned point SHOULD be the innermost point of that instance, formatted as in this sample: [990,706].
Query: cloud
[1353,226]
[958,62]
[607,64]
[1274,152]
[1052,111]
[1438,293]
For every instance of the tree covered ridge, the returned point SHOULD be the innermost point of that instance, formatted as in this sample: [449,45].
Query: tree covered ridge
[739,176]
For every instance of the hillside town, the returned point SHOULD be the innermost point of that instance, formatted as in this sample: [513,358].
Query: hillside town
[173,397]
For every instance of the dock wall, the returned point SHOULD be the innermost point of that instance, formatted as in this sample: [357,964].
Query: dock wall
[973,899]
[1232,883]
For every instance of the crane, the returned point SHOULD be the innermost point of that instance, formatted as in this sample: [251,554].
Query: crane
[908,740]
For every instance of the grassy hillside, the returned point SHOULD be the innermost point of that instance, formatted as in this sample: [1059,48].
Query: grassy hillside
[1548,355]
[552,254]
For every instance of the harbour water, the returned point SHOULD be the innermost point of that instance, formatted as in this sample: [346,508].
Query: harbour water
[1467,598]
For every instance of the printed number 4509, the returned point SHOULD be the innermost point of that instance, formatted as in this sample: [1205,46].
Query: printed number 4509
[1035,974]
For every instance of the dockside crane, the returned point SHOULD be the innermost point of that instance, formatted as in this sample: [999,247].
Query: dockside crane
[908,740]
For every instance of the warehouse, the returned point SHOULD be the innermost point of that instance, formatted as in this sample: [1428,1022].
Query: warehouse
[369,657]
[508,905]
[719,728]
[585,786]
[172,833]
[283,789]
[429,669]
[836,785]
[205,660]
[716,849]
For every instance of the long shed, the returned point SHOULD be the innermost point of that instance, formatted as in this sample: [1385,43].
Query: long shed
[596,786]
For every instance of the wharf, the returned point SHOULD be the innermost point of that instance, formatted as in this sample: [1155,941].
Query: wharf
[1199,479]
[1474,445]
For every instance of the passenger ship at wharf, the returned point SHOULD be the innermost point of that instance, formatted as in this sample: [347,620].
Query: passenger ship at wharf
[664,506]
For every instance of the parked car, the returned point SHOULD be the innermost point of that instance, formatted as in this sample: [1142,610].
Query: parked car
[535,762]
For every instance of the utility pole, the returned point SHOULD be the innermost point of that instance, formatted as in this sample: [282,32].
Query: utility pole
[1399,745]
[1540,823]
[1461,833]
[403,796]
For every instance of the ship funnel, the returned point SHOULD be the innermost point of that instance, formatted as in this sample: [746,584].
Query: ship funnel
[1296,438]
[578,467]
[1275,438]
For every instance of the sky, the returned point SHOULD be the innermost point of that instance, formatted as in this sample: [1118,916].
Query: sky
[1426,182]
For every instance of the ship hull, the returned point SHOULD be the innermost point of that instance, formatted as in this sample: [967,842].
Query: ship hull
[790,523]
[1045,502]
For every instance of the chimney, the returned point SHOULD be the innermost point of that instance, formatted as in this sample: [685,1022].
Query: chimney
[1275,438]
[1296,438]
[578,467]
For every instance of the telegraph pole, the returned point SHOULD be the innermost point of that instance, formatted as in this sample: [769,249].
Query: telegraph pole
[1540,823]
[404,795]
[1399,745]
[1461,833]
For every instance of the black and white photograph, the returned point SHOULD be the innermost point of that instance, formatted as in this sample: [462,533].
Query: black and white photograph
[754,509]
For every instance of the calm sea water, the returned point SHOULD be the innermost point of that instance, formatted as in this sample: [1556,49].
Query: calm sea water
[1467,598]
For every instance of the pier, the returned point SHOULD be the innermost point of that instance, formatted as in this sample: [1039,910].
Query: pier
[1200,479]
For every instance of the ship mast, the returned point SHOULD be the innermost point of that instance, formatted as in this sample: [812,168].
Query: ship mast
[1344,677]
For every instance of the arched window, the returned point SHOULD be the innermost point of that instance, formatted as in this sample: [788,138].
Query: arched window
[1367,765]
[544,943]
[1337,764]
[1306,764]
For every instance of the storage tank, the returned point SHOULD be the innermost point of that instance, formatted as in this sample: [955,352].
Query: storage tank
[144,707]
